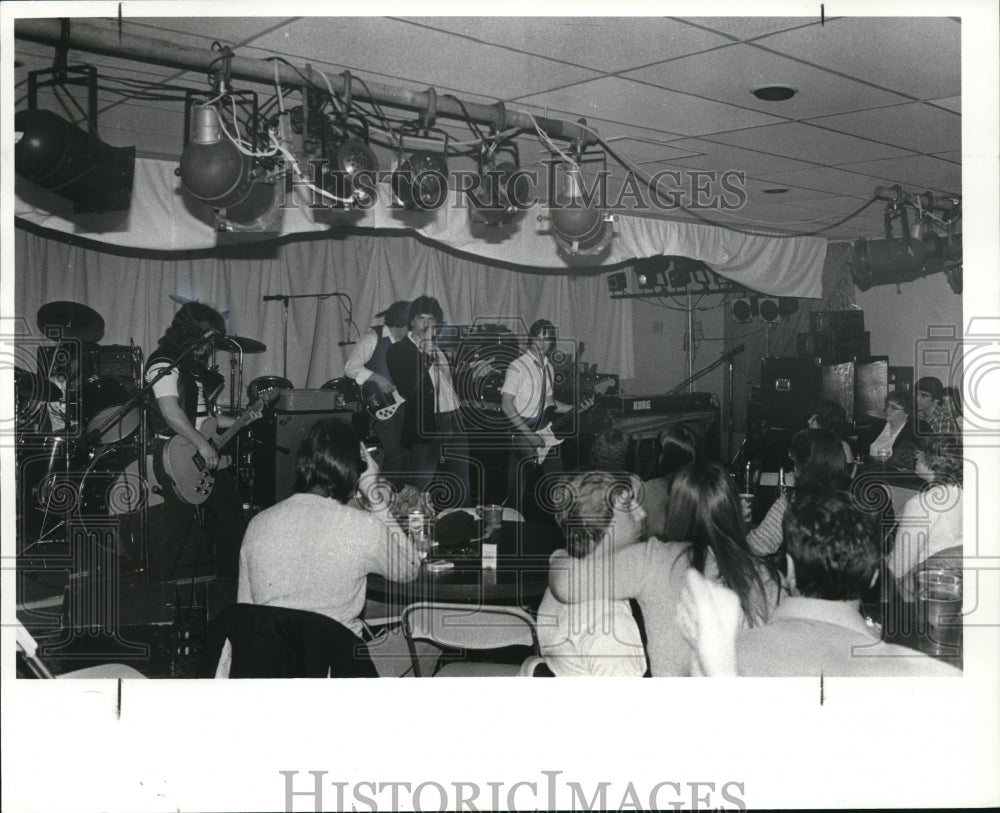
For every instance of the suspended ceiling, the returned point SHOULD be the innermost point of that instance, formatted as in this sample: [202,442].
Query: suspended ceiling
[878,100]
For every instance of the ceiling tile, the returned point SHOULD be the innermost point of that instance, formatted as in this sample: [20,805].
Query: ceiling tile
[731,74]
[606,44]
[821,179]
[918,56]
[953,103]
[797,140]
[628,102]
[747,28]
[913,172]
[722,157]
[916,126]
[428,58]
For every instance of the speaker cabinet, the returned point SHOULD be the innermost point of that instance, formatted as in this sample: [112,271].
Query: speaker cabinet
[788,387]
[275,441]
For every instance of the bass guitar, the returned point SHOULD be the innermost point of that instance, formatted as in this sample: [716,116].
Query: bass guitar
[379,403]
[551,424]
[184,468]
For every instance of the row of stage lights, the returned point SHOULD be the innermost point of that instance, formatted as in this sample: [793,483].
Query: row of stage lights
[243,173]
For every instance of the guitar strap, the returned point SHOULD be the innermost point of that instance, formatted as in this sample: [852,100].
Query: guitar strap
[540,414]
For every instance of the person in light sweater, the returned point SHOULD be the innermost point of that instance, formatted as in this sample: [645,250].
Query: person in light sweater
[314,551]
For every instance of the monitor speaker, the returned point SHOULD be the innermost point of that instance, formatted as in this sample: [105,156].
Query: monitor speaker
[275,443]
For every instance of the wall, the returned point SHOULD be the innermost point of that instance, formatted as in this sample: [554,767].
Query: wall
[899,325]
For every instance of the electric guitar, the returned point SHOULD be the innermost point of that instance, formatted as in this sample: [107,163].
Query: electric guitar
[551,424]
[185,468]
[381,405]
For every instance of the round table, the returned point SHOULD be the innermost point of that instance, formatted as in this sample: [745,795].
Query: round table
[520,578]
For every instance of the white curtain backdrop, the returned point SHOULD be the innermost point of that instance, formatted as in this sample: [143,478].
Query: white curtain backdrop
[133,297]
[160,218]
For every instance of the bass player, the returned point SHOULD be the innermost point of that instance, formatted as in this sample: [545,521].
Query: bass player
[368,367]
[183,400]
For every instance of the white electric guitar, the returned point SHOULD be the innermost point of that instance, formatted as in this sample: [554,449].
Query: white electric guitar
[185,468]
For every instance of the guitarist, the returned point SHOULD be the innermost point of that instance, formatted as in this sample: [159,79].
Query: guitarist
[184,398]
[527,399]
[368,366]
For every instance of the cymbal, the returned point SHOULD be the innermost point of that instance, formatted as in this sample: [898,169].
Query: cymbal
[232,344]
[32,387]
[76,321]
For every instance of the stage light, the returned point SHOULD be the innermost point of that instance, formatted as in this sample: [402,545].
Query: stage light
[501,196]
[579,229]
[215,171]
[74,163]
[347,156]
[617,282]
[421,181]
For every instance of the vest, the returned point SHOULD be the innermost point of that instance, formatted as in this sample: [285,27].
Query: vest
[378,363]
[189,375]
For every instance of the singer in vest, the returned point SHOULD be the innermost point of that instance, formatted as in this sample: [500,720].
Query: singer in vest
[368,364]
[183,401]
[431,427]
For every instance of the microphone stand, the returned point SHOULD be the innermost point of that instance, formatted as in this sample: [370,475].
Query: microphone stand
[727,357]
[283,298]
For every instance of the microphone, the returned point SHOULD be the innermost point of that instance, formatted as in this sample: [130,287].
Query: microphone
[736,350]
[344,344]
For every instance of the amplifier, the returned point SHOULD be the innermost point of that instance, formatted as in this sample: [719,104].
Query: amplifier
[308,401]
[847,323]
[829,344]
[626,405]
[114,360]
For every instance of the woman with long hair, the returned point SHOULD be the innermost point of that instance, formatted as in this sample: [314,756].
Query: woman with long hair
[830,415]
[679,447]
[819,466]
[705,522]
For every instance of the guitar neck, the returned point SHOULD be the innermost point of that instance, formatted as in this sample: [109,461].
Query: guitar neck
[230,433]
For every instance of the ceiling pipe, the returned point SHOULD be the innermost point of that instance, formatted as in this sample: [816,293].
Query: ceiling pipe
[93,39]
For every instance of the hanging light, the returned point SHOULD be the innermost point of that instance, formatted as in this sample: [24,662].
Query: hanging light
[579,229]
[421,181]
[215,171]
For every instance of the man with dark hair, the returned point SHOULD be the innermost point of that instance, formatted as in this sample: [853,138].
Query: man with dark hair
[314,551]
[431,426]
[368,366]
[528,401]
[183,402]
[929,391]
[833,553]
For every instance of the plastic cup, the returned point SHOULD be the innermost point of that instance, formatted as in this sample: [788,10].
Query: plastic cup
[939,611]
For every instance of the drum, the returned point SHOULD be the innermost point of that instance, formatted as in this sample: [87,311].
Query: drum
[347,387]
[112,484]
[100,399]
[267,382]
[42,472]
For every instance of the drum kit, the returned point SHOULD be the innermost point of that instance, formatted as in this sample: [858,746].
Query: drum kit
[81,426]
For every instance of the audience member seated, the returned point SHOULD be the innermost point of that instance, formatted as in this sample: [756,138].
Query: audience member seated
[597,635]
[313,551]
[679,446]
[896,442]
[833,551]
[705,516]
[931,410]
[951,400]
[608,451]
[931,521]
[830,415]
[819,465]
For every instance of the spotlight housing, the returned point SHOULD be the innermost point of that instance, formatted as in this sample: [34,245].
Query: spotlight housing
[744,309]
[503,192]
[348,155]
[421,181]
[62,158]
[579,229]
[617,282]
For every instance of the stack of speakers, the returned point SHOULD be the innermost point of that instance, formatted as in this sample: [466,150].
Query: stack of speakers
[835,334]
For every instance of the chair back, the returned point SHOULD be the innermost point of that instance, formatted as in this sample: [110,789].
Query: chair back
[278,642]
[535,666]
[467,626]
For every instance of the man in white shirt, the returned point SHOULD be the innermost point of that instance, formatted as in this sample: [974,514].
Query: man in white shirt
[368,366]
[527,399]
